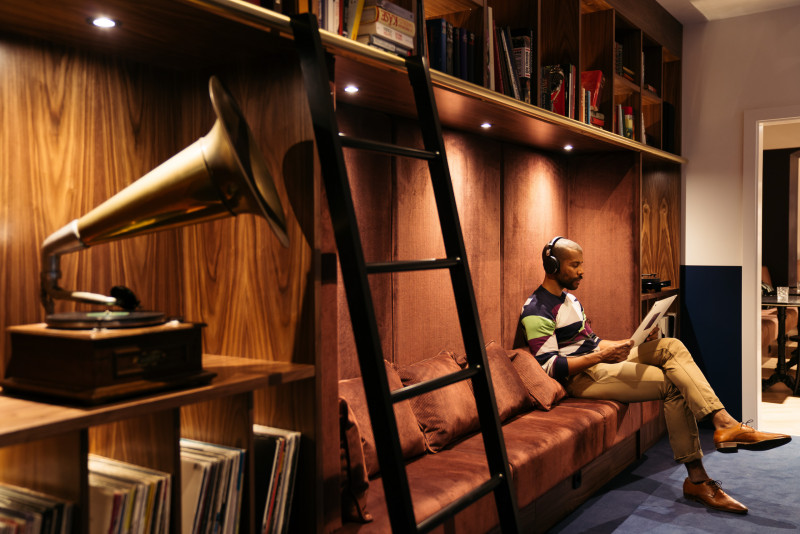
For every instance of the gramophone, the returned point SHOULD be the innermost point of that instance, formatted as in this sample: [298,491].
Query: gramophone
[94,357]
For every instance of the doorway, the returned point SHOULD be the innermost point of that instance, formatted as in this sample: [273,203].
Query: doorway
[760,130]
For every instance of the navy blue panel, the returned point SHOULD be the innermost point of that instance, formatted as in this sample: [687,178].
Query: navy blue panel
[711,327]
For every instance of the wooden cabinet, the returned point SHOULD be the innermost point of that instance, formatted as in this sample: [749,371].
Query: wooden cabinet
[86,111]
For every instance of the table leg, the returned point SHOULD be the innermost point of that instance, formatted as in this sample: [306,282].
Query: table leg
[780,372]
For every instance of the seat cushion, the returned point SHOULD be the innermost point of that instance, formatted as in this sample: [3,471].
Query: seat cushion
[544,448]
[620,420]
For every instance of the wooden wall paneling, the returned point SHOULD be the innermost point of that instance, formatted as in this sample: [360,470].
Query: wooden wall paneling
[560,37]
[535,209]
[597,53]
[371,182]
[661,221]
[604,220]
[425,317]
[476,172]
[75,130]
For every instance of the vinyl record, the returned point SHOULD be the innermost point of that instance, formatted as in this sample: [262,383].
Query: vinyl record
[104,319]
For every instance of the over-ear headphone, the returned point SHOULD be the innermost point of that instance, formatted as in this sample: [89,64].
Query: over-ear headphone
[550,262]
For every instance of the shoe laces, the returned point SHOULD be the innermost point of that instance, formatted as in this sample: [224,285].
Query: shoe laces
[747,424]
[716,484]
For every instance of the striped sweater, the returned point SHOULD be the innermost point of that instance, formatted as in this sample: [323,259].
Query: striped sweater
[556,328]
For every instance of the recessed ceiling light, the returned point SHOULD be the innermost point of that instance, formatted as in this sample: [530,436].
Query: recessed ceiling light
[104,22]
[486,125]
[568,147]
[352,89]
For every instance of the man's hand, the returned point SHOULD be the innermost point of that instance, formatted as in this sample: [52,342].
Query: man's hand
[653,334]
[615,351]
[607,352]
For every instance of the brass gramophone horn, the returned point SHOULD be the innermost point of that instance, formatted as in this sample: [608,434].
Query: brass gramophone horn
[219,175]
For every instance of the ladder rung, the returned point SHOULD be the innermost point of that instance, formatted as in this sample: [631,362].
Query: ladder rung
[412,265]
[388,148]
[433,521]
[429,385]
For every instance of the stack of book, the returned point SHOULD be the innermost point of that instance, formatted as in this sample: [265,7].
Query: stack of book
[275,453]
[384,25]
[211,487]
[23,510]
[127,498]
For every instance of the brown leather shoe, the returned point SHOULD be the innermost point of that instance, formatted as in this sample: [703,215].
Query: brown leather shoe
[741,435]
[709,492]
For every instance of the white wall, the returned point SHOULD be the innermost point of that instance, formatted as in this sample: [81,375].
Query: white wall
[737,73]
[729,66]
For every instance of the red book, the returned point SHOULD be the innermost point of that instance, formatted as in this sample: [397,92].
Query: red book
[593,81]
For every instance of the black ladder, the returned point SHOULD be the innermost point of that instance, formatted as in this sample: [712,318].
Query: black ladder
[380,399]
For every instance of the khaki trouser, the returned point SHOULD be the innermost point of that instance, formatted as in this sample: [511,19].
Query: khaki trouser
[658,370]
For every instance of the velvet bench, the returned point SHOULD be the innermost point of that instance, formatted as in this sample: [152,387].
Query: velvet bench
[560,449]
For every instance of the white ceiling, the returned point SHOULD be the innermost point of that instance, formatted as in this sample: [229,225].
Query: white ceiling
[693,11]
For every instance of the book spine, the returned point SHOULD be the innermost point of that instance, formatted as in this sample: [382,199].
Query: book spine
[392,8]
[437,49]
[387,32]
[376,14]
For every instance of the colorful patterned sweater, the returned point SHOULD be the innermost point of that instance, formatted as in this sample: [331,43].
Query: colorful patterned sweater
[556,328]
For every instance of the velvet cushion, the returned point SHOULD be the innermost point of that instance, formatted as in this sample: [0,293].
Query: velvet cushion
[412,442]
[354,481]
[543,389]
[444,414]
[509,390]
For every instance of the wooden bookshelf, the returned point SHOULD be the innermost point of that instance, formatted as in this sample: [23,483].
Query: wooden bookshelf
[266,307]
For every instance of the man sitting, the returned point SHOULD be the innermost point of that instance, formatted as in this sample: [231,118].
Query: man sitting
[590,367]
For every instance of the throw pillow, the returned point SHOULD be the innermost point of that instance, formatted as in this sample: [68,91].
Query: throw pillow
[509,391]
[544,389]
[447,413]
[412,442]
[354,481]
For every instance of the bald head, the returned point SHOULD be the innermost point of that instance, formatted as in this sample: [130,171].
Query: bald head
[565,261]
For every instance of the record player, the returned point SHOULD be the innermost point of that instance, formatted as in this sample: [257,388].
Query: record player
[123,350]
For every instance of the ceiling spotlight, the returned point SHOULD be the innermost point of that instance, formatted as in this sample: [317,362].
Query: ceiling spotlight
[486,125]
[568,147]
[103,22]
[352,89]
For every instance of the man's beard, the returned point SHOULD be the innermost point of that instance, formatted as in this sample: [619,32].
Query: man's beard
[570,283]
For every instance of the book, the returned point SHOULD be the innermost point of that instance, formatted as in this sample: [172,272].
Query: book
[437,43]
[387,32]
[275,451]
[554,89]
[488,50]
[152,492]
[593,81]
[219,469]
[56,514]
[391,7]
[522,43]
[353,10]
[372,14]
[387,46]
[508,67]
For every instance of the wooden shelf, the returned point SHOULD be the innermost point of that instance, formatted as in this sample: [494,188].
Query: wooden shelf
[660,294]
[27,420]
[181,38]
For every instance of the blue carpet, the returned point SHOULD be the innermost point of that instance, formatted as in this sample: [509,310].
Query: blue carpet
[648,496]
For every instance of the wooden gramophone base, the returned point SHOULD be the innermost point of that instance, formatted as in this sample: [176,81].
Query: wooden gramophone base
[102,365]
